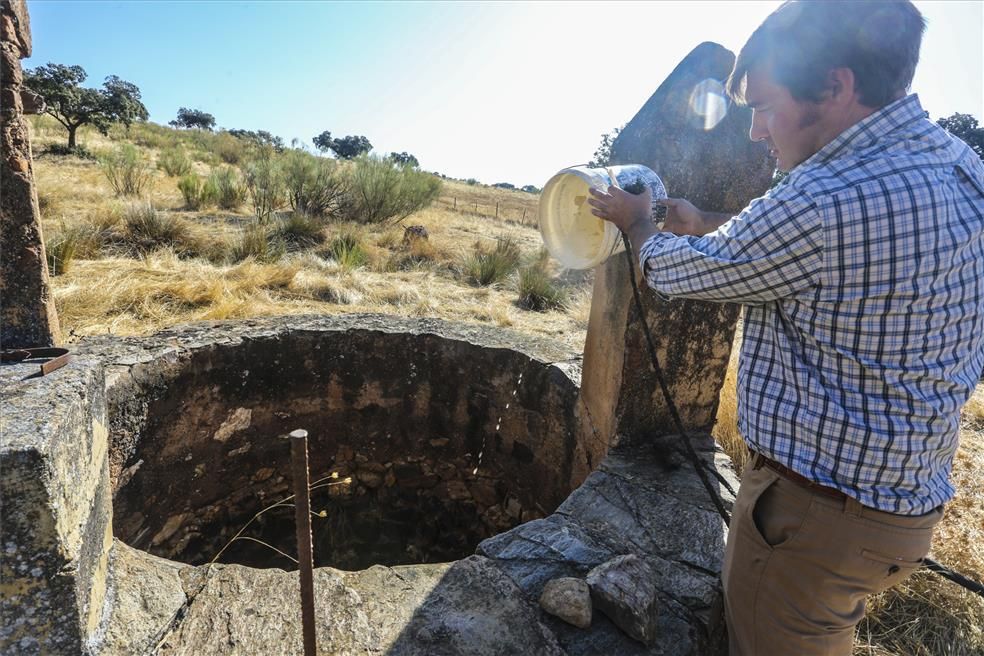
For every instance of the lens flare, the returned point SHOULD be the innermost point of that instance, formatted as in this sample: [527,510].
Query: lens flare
[708,101]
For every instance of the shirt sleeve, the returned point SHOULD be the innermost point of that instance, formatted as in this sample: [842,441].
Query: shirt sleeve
[772,250]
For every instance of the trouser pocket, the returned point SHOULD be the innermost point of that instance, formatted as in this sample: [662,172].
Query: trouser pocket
[888,555]
[779,513]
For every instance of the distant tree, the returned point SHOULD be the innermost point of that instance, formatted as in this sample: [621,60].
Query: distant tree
[603,156]
[965,128]
[471,181]
[193,118]
[260,138]
[405,159]
[504,185]
[531,189]
[73,105]
[323,141]
[350,147]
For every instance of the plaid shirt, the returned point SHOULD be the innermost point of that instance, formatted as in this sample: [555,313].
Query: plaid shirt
[862,276]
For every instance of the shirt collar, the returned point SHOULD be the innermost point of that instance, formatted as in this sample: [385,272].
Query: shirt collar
[871,128]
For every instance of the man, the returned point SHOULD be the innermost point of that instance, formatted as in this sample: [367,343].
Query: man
[862,276]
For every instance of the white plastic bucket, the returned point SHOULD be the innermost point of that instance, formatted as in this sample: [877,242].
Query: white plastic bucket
[573,235]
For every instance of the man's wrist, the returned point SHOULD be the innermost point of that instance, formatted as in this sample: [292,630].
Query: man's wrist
[639,233]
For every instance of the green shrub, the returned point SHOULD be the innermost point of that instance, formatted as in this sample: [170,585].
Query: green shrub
[265,187]
[380,191]
[315,186]
[230,191]
[61,150]
[175,162]
[258,243]
[537,290]
[347,250]
[487,266]
[299,231]
[197,192]
[60,250]
[127,172]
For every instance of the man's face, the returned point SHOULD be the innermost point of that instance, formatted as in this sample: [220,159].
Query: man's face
[791,128]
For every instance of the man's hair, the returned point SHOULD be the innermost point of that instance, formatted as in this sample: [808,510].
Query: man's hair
[802,41]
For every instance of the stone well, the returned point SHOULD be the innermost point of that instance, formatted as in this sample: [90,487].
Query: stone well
[458,495]
[434,442]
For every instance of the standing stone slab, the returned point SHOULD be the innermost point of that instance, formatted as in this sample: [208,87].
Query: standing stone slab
[56,505]
[27,310]
[718,169]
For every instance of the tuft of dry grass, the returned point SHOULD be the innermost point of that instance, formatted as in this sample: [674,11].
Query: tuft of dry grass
[491,266]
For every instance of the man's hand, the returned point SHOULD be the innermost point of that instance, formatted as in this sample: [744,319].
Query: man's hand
[682,217]
[622,208]
[630,213]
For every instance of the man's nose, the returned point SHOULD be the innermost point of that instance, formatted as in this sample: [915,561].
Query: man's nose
[758,131]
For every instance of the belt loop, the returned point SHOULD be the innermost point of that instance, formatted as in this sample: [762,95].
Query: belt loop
[852,506]
[756,459]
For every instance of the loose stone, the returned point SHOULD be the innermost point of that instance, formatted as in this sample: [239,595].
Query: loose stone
[624,589]
[569,599]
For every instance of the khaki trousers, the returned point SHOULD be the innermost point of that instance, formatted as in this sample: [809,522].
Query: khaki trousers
[798,565]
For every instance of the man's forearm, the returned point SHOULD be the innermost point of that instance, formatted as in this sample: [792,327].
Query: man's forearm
[641,230]
[714,220]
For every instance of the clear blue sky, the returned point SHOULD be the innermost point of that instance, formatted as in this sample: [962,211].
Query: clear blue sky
[497,91]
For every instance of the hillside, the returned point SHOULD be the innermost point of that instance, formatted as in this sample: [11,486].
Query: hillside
[137,264]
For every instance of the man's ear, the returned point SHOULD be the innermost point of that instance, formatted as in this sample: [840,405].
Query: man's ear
[840,86]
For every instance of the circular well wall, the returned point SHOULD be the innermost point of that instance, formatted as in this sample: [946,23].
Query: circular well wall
[420,447]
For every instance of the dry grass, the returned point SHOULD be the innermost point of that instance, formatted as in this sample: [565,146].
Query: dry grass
[926,615]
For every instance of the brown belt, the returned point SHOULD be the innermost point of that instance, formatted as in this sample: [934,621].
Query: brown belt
[799,479]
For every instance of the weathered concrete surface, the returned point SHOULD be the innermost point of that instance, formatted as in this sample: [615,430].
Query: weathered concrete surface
[466,608]
[55,500]
[147,593]
[241,610]
[27,311]
[717,169]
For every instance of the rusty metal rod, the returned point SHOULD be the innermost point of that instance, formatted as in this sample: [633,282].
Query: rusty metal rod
[305,549]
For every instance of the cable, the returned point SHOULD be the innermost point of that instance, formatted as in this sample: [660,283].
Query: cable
[955,577]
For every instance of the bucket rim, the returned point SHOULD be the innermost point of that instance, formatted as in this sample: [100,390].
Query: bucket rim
[591,176]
